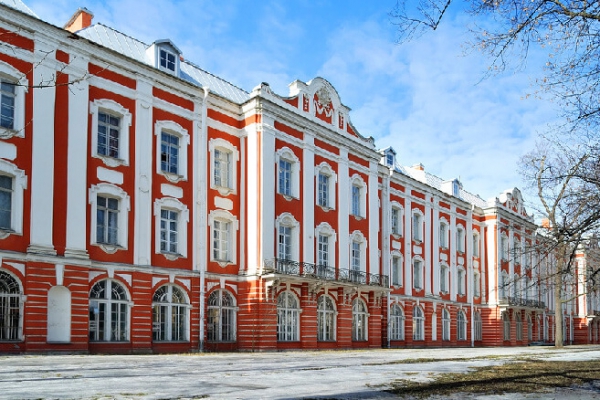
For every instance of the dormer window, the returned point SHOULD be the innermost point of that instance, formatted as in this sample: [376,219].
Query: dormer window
[167,60]
[389,157]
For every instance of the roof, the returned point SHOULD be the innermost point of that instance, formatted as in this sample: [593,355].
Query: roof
[19,6]
[136,49]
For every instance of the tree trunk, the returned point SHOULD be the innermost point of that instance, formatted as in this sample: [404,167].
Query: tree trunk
[558,314]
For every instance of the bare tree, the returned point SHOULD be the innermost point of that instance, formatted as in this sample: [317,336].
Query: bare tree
[564,168]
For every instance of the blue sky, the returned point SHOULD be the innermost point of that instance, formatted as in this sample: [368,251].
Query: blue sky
[425,98]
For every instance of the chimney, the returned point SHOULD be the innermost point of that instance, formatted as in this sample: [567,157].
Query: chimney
[80,20]
[546,223]
[418,167]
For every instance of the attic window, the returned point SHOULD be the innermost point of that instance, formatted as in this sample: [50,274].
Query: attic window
[167,60]
[390,159]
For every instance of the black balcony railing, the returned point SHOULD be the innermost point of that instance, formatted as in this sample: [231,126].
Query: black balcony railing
[297,268]
[518,301]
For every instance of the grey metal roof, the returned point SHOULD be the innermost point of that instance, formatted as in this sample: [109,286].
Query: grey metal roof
[135,49]
[19,6]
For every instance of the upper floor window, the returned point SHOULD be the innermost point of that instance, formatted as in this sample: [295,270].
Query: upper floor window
[417,227]
[476,284]
[476,244]
[172,150]
[110,132]
[167,60]
[397,273]
[517,250]
[460,239]
[358,246]
[460,281]
[358,197]
[223,244]
[13,182]
[110,209]
[326,179]
[396,219]
[326,238]
[287,237]
[503,247]
[417,274]
[288,173]
[223,166]
[444,278]
[443,235]
[172,217]
[13,86]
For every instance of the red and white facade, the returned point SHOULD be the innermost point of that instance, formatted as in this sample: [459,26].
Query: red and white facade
[149,206]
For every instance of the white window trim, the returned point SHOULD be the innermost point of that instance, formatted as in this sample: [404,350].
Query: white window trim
[167,49]
[422,273]
[325,169]
[461,284]
[503,247]
[183,217]
[446,270]
[417,238]
[10,73]
[460,238]
[325,229]
[114,108]
[223,144]
[393,254]
[444,240]
[358,237]
[224,216]
[476,284]
[397,206]
[288,220]
[357,180]
[19,186]
[124,208]
[287,154]
[476,244]
[173,128]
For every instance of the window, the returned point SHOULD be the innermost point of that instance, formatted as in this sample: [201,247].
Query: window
[445,324]
[396,270]
[443,235]
[417,274]
[110,209]
[109,312]
[358,246]
[223,244]
[287,237]
[519,326]
[167,60]
[171,150]
[503,248]
[172,217]
[10,308]
[396,220]
[13,182]
[396,322]
[461,282]
[417,227]
[356,256]
[13,86]
[223,166]
[170,314]
[418,324]
[444,279]
[517,251]
[110,132]
[529,328]
[326,238]
[221,317]
[7,104]
[288,318]
[460,239]
[360,319]
[461,326]
[476,284]
[325,319]
[107,213]
[288,173]
[168,231]
[503,285]
[478,325]
[6,195]
[326,180]
[475,245]
[389,159]
[506,325]
[358,196]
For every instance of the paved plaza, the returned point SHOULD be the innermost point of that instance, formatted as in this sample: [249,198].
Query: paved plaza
[361,374]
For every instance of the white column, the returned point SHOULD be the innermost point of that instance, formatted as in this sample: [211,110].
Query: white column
[408,282]
[142,240]
[469,256]
[307,173]
[435,258]
[427,245]
[343,211]
[373,217]
[77,151]
[453,246]
[42,169]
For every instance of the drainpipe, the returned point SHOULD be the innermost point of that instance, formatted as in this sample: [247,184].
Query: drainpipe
[201,144]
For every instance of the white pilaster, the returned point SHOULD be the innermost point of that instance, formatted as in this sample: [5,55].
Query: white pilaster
[408,248]
[373,218]
[435,258]
[427,230]
[343,211]
[308,199]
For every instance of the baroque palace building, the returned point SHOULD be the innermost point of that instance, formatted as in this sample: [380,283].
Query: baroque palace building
[147,205]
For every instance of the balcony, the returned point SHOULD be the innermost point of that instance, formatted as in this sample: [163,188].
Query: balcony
[519,302]
[322,272]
